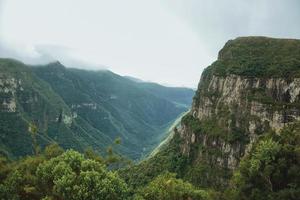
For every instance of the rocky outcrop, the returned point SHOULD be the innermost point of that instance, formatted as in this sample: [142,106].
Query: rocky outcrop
[234,104]
[237,97]
[12,91]
[8,87]
[25,99]
[273,100]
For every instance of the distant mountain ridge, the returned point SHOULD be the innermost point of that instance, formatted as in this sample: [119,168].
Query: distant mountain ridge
[80,108]
[178,95]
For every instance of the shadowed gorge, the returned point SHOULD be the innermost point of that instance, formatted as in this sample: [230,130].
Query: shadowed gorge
[79,108]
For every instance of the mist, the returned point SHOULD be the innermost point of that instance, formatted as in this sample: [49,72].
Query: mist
[168,41]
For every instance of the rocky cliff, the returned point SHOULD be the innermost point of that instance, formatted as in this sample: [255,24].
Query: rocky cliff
[253,88]
[249,94]
[24,99]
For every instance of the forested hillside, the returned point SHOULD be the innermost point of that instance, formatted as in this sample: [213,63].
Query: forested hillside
[79,108]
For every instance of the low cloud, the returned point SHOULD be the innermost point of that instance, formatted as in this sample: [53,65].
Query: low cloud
[165,41]
[44,54]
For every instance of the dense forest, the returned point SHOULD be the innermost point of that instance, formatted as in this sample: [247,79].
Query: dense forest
[58,174]
[239,141]
[269,171]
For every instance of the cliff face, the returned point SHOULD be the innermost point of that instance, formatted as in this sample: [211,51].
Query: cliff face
[249,96]
[23,99]
[7,90]
[252,88]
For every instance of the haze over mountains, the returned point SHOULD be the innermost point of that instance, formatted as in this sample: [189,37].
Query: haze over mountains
[79,108]
[153,40]
[149,100]
[239,140]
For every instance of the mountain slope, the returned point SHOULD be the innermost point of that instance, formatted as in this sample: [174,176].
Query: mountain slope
[252,89]
[83,108]
[179,95]
[112,104]
[24,99]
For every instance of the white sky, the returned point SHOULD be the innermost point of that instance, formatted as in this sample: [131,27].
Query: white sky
[165,41]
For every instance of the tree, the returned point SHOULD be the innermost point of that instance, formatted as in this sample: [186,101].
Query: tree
[71,176]
[53,150]
[271,170]
[56,175]
[20,182]
[168,187]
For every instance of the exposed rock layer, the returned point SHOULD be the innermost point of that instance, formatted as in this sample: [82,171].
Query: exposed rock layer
[232,110]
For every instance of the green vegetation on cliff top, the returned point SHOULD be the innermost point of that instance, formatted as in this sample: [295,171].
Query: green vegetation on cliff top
[258,57]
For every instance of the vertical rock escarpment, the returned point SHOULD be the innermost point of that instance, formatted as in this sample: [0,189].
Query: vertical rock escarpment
[253,88]
[8,88]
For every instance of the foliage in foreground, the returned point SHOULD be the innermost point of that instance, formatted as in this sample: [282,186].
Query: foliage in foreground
[271,170]
[167,187]
[57,175]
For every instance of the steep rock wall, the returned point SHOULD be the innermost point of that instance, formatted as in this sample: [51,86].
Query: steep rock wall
[235,102]
[248,105]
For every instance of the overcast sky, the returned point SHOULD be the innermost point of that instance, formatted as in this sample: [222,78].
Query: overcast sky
[165,41]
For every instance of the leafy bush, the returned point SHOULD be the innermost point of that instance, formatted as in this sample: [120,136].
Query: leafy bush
[271,170]
[168,187]
[60,175]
